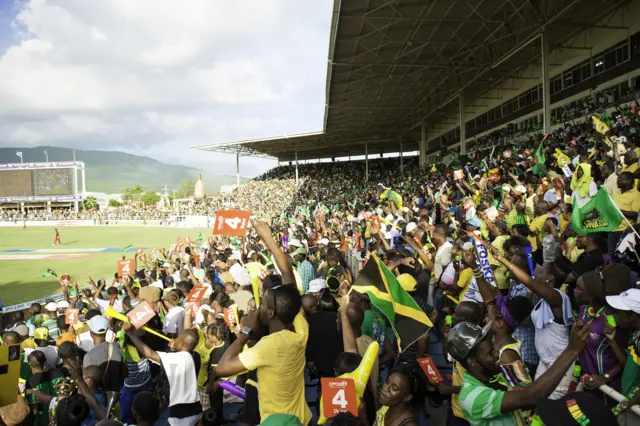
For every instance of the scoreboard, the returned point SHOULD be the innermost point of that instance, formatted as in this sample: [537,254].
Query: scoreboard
[55,181]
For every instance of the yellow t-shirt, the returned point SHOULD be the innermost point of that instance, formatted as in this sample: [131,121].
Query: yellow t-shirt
[456,380]
[205,353]
[629,201]
[28,344]
[279,359]
[536,226]
[500,270]
[463,282]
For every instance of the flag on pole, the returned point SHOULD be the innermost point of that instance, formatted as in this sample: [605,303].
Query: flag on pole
[599,125]
[124,250]
[49,273]
[74,156]
[540,157]
[408,321]
[599,214]
[199,238]
[19,154]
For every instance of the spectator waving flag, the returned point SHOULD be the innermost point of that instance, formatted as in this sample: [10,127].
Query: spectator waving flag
[124,250]
[599,214]
[49,272]
[540,158]
[408,321]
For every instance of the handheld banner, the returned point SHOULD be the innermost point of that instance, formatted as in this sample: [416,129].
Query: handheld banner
[231,223]
[196,294]
[141,314]
[529,252]
[429,368]
[483,262]
[338,396]
[65,279]
[9,374]
[71,316]
[125,267]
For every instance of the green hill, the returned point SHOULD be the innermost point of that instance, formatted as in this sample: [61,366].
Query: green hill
[112,171]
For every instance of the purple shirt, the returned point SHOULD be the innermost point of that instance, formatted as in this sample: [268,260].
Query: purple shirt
[598,357]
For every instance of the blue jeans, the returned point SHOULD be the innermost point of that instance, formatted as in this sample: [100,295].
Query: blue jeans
[126,402]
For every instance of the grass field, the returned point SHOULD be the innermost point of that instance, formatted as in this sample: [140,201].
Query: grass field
[21,279]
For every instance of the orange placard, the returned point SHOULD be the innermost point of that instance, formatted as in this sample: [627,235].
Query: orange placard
[210,240]
[338,396]
[231,223]
[458,174]
[196,294]
[141,314]
[231,315]
[430,370]
[125,267]
[196,260]
[468,203]
[65,279]
[71,316]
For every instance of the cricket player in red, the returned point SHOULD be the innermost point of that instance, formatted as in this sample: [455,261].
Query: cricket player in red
[57,240]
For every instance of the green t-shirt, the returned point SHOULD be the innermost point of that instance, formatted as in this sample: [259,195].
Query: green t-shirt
[374,326]
[631,373]
[44,382]
[480,404]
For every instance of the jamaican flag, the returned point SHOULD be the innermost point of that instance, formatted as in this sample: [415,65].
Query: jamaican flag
[408,321]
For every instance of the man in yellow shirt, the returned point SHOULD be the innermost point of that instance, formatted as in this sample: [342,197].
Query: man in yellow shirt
[628,201]
[278,358]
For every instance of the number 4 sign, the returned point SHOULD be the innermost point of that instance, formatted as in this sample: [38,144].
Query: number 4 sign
[125,267]
[231,223]
[430,370]
[141,314]
[338,396]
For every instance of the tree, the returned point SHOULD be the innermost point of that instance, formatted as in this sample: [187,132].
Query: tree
[150,198]
[91,202]
[114,203]
[133,194]
[186,189]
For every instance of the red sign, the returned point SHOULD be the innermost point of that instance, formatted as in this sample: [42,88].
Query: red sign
[468,203]
[125,267]
[231,223]
[138,250]
[231,315]
[458,174]
[375,221]
[430,370]
[71,316]
[196,260]
[65,279]
[141,314]
[143,258]
[494,177]
[338,396]
[196,294]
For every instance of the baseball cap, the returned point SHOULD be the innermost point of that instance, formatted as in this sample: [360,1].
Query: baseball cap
[294,242]
[317,285]
[576,408]
[63,304]
[628,300]
[240,275]
[98,324]
[464,337]
[323,242]
[411,226]
[41,333]
[22,330]
[300,251]
[51,307]
[407,282]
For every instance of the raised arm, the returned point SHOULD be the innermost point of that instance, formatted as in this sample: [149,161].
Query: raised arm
[348,336]
[264,232]
[142,348]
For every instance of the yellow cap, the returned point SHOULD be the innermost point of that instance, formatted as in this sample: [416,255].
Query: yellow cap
[407,282]
[41,333]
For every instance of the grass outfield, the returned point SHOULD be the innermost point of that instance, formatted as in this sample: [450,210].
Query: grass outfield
[21,280]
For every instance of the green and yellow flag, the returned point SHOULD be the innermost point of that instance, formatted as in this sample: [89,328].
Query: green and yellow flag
[49,272]
[599,214]
[392,196]
[408,321]
[126,249]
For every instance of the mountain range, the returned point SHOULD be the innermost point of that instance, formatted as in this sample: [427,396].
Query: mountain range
[112,171]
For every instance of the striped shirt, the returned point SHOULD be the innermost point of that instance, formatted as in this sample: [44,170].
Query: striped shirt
[138,374]
[480,404]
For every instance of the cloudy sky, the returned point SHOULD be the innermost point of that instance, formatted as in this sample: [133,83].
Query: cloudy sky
[154,77]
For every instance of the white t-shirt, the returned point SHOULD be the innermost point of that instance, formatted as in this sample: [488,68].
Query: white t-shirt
[443,258]
[103,305]
[174,321]
[50,354]
[552,338]
[473,293]
[183,382]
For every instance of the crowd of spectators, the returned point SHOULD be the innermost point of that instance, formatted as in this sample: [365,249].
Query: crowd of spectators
[536,316]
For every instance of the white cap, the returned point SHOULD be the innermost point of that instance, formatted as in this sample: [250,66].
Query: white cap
[323,242]
[411,226]
[240,275]
[628,300]
[51,307]
[295,243]
[63,304]
[317,285]
[389,218]
[98,324]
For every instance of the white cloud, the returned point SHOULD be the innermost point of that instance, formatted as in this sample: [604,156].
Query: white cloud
[155,77]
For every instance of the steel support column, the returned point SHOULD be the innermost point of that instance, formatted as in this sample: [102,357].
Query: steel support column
[366,161]
[546,88]
[296,168]
[401,158]
[238,168]
[423,145]
[463,136]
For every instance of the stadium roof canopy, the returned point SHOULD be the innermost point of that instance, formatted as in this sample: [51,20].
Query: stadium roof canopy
[394,64]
